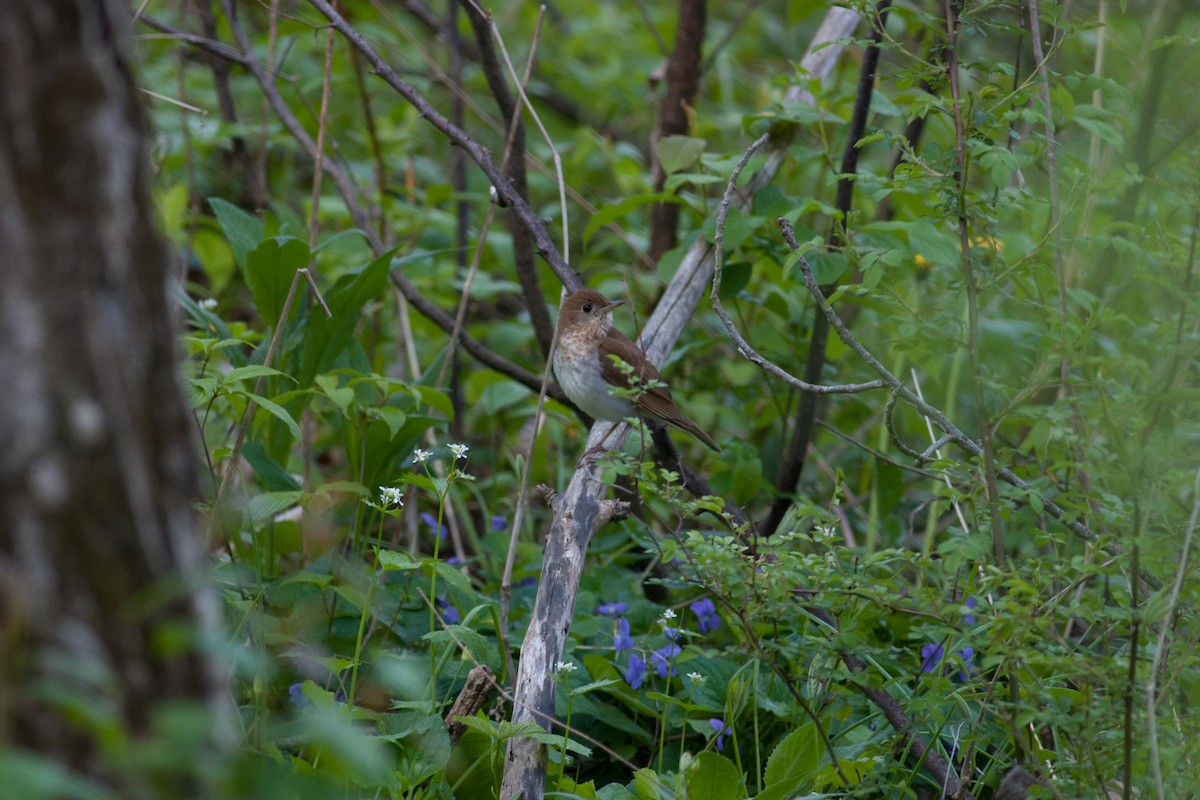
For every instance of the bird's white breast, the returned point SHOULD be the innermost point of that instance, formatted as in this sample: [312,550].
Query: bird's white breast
[584,383]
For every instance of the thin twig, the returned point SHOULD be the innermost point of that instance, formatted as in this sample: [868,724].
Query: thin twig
[935,415]
[1161,647]
[714,296]
[479,154]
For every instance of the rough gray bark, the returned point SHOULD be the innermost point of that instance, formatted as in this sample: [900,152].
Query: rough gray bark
[97,545]
[578,511]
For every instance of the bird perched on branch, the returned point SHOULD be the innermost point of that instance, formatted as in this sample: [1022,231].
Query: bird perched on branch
[593,357]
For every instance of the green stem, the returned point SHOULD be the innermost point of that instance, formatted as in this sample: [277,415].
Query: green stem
[362,618]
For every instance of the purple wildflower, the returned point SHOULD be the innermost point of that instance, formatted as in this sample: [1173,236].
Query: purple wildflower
[296,695]
[635,673]
[621,639]
[931,656]
[612,609]
[499,523]
[969,618]
[722,731]
[449,613]
[707,612]
[431,521]
[663,659]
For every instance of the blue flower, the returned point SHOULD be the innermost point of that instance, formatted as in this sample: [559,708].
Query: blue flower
[671,633]
[432,522]
[296,695]
[663,659]
[707,612]
[449,613]
[499,523]
[635,673]
[931,656]
[612,609]
[722,731]
[530,581]
[621,639]
[969,618]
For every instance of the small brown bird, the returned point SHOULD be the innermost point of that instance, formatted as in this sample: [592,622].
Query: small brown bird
[586,369]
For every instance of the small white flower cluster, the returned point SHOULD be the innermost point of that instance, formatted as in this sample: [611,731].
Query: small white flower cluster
[390,496]
[667,616]
[697,677]
[459,450]
[564,666]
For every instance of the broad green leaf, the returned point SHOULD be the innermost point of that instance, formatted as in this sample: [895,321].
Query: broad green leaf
[714,777]
[270,269]
[795,760]
[325,338]
[679,152]
[476,646]
[264,506]
[342,398]
[391,560]
[244,231]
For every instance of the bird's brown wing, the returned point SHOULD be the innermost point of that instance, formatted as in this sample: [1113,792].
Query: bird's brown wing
[656,401]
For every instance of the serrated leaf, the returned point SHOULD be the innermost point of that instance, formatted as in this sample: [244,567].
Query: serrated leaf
[795,760]
[390,560]
[714,777]
[478,648]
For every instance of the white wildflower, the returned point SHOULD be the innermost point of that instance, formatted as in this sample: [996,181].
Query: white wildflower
[668,615]
[459,450]
[208,303]
[421,456]
[697,677]
[390,496]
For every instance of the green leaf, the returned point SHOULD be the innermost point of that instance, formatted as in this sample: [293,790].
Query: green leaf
[272,476]
[679,152]
[264,506]
[391,560]
[243,231]
[342,398]
[614,211]
[714,777]
[326,338]
[277,411]
[478,648]
[795,760]
[250,371]
[394,418]
[270,269]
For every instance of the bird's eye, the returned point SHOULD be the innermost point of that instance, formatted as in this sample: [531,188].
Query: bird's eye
[587,308]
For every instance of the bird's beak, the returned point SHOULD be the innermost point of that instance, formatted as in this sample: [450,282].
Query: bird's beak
[611,306]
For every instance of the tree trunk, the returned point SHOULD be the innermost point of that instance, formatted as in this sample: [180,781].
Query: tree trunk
[98,551]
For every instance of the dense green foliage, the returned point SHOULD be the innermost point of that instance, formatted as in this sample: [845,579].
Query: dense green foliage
[1064,336]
